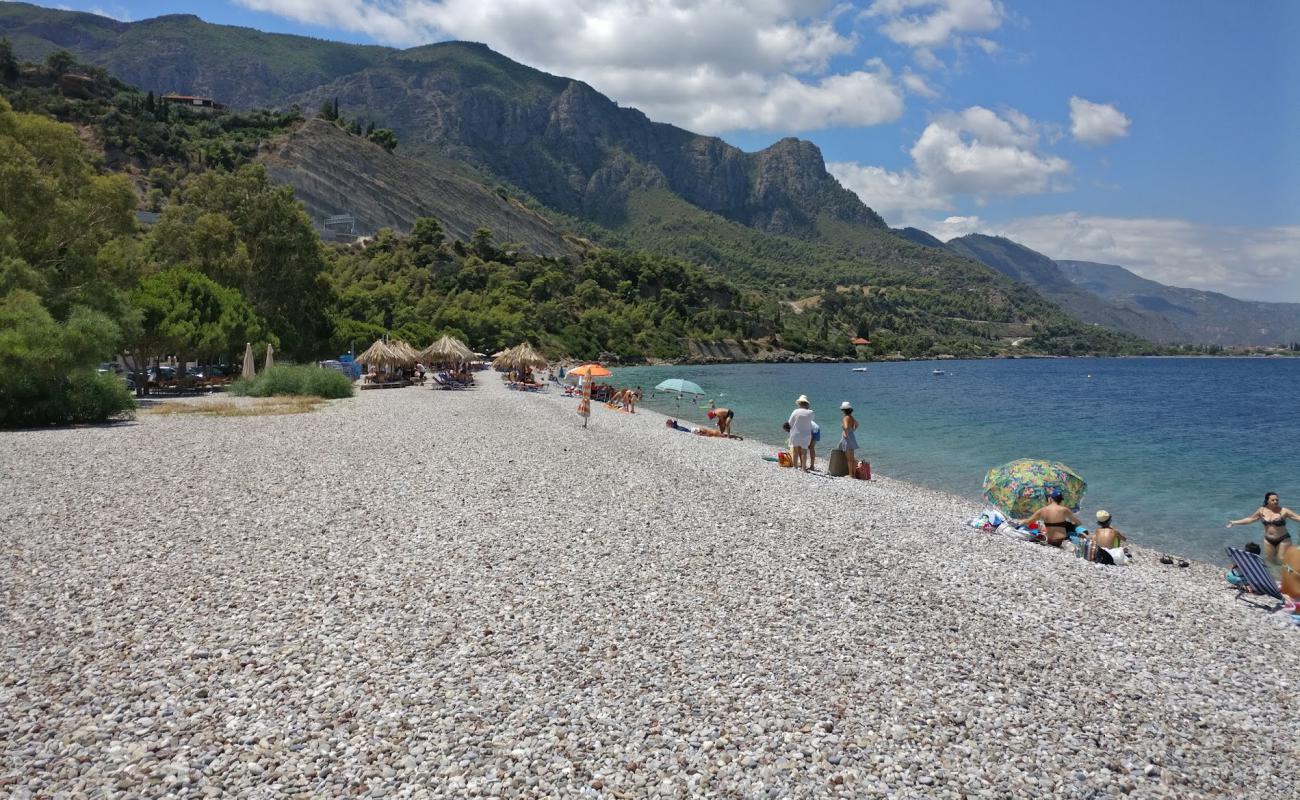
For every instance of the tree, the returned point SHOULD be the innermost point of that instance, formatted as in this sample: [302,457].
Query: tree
[60,62]
[283,277]
[8,61]
[329,111]
[184,312]
[150,104]
[384,138]
[46,373]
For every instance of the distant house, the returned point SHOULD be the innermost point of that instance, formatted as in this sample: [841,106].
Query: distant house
[194,101]
[858,340]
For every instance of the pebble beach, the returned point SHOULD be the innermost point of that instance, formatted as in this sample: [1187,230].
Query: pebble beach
[418,593]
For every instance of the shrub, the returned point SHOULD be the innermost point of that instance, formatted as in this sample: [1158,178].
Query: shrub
[305,381]
[97,397]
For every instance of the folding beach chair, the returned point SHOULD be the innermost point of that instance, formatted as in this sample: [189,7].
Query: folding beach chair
[1258,579]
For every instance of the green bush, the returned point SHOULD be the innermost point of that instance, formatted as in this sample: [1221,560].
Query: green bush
[304,381]
[97,397]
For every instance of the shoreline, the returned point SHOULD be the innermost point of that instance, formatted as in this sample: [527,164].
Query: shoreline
[436,593]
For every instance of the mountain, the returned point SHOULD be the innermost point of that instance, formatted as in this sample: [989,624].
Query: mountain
[244,68]
[774,221]
[1037,270]
[918,236]
[1205,317]
[560,140]
[333,172]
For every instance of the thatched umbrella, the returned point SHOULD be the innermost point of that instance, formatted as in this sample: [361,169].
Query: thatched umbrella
[528,357]
[408,355]
[379,354]
[270,356]
[249,369]
[447,350]
[505,360]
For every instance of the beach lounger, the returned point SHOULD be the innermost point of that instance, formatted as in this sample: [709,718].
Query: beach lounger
[1258,579]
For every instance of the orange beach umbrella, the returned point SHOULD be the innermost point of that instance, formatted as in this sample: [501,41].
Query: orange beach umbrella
[591,371]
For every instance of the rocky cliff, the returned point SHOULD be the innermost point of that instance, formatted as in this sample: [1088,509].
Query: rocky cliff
[333,172]
[558,139]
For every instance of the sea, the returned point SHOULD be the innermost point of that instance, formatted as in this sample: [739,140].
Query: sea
[1172,447]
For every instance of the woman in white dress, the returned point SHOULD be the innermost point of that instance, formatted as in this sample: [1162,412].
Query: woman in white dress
[801,431]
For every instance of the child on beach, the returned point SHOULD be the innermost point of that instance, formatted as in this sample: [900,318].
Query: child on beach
[1236,578]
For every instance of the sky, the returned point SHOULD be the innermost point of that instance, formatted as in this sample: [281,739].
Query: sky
[1160,135]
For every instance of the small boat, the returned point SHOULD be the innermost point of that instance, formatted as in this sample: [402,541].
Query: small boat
[936,372]
[859,369]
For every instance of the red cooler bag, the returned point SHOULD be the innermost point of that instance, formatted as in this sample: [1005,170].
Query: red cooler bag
[863,471]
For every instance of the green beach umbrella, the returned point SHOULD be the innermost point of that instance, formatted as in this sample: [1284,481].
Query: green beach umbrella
[1021,487]
[680,386]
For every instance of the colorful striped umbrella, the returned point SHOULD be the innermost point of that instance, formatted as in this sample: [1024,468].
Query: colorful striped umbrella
[1021,487]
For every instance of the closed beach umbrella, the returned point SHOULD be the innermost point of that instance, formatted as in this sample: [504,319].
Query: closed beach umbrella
[249,369]
[680,386]
[1021,487]
[592,370]
[270,357]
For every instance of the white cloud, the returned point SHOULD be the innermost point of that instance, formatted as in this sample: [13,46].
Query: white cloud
[975,152]
[1096,123]
[894,195]
[1260,263]
[709,65]
[927,25]
[916,84]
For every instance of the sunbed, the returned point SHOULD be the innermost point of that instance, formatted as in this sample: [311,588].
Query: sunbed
[1258,579]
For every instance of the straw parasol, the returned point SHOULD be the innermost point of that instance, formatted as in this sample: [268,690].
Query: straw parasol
[379,354]
[447,350]
[270,356]
[249,369]
[408,355]
[528,357]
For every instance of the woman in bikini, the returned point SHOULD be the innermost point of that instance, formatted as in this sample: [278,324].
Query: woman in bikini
[1277,539]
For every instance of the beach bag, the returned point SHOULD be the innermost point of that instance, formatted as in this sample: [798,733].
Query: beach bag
[863,471]
[839,464]
[783,459]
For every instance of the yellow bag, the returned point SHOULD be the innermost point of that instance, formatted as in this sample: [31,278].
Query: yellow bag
[783,459]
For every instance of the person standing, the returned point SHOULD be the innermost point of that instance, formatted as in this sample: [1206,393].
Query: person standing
[723,417]
[1277,539]
[848,436]
[801,431]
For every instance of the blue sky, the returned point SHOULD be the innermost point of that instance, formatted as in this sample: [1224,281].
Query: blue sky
[1156,135]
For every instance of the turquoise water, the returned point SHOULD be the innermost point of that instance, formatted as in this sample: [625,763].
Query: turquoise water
[1172,447]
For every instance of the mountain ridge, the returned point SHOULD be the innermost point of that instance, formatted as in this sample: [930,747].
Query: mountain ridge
[1209,317]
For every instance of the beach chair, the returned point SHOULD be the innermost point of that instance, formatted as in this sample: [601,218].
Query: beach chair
[1258,580]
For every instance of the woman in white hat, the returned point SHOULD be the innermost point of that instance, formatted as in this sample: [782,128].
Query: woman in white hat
[848,436]
[801,431]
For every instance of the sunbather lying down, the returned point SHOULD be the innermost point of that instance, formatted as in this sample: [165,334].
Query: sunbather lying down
[716,434]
